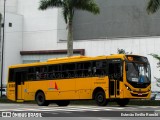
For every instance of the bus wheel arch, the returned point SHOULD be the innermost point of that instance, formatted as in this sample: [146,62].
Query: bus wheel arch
[41,99]
[99,96]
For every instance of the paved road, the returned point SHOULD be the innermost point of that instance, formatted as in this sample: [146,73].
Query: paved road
[79,111]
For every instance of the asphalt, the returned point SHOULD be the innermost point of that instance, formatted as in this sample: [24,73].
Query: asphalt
[78,112]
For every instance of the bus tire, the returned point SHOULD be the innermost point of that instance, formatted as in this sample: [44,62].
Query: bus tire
[63,102]
[122,102]
[100,98]
[40,99]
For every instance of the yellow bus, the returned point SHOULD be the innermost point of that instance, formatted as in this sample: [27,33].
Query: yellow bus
[116,77]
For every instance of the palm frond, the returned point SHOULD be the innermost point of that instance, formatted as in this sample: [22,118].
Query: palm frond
[87,5]
[155,56]
[68,7]
[65,14]
[44,4]
[153,6]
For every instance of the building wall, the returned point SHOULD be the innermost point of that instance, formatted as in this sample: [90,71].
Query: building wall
[62,27]
[140,46]
[40,28]
[11,6]
[13,35]
[12,42]
[117,18]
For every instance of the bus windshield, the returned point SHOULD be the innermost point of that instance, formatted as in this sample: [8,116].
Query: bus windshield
[138,72]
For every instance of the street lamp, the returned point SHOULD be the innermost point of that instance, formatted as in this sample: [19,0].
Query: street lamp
[2,44]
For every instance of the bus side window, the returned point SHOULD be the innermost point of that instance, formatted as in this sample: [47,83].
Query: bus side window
[64,71]
[115,71]
[71,70]
[99,68]
[38,76]
[31,73]
[87,68]
[58,71]
[43,72]
[50,72]
[53,72]
[101,65]
[79,70]
[94,68]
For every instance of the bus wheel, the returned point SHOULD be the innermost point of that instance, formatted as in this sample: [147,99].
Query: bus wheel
[122,102]
[100,98]
[63,102]
[40,99]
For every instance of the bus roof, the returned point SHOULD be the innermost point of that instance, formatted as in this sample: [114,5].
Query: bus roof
[68,60]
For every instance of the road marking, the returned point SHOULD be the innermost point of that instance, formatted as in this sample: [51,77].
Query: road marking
[60,109]
[70,109]
[103,119]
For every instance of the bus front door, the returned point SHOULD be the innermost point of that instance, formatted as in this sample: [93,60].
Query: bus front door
[19,92]
[115,77]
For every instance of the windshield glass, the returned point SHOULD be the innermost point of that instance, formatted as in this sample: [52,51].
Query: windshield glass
[138,72]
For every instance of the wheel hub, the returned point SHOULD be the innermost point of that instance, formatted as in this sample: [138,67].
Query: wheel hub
[100,98]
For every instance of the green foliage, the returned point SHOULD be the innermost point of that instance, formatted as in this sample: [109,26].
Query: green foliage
[155,56]
[158,66]
[69,7]
[153,6]
[122,51]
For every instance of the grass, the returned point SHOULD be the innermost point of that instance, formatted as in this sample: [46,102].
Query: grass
[92,102]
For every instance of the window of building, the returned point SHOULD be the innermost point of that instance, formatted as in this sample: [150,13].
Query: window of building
[10,24]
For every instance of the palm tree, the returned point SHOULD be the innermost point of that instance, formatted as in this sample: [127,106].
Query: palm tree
[69,7]
[153,6]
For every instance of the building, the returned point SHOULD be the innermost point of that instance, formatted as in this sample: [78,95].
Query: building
[32,35]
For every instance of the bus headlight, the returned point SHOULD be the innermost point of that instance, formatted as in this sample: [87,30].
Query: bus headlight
[128,88]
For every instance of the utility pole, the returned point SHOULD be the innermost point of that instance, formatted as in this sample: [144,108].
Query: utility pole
[2,44]
[0,28]
[0,37]
[0,25]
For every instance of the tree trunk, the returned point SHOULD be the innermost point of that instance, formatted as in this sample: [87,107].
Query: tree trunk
[0,48]
[70,40]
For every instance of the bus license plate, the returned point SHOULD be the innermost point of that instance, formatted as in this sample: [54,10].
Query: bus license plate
[139,93]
